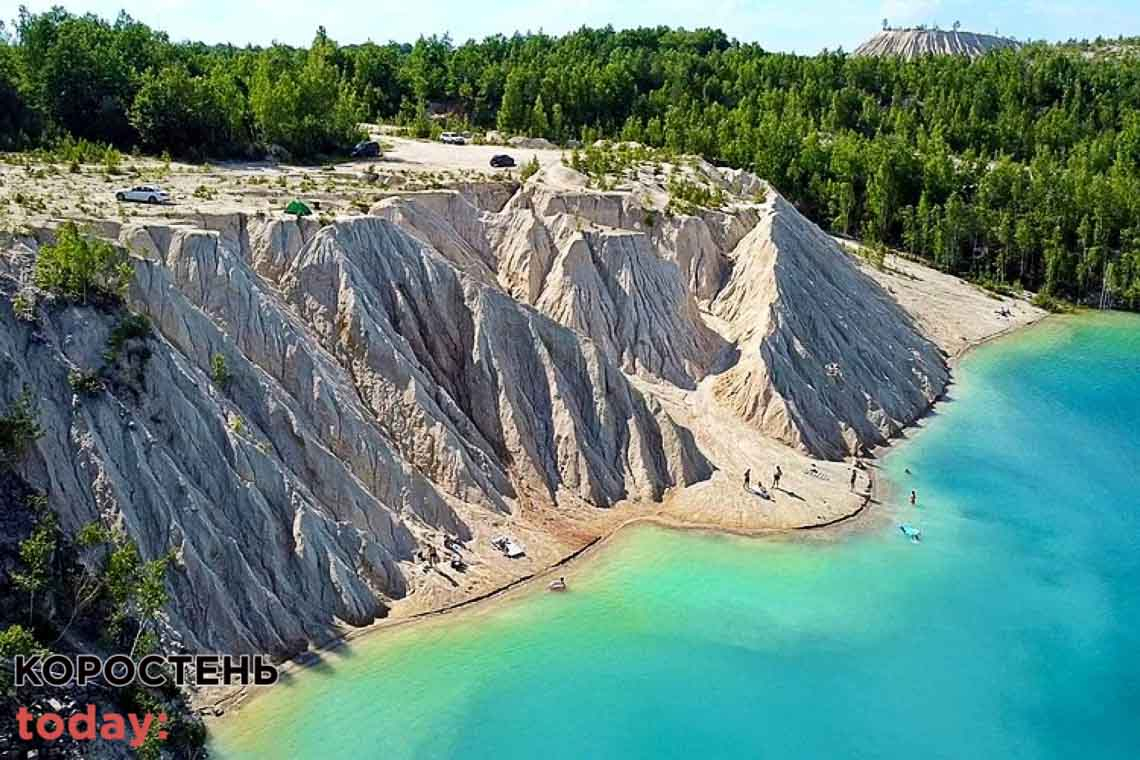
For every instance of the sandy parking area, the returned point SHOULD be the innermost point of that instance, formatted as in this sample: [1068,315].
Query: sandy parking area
[35,192]
[425,155]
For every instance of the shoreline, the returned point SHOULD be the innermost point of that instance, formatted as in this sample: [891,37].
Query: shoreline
[233,700]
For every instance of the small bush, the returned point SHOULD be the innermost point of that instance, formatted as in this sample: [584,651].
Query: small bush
[84,383]
[218,371]
[78,267]
[690,196]
[993,286]
[204,192]
[529,169]
[24,307]
[15,639]
[19,428]
[130,327]
[1051,303]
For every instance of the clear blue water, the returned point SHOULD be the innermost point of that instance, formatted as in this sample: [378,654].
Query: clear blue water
[1012,630]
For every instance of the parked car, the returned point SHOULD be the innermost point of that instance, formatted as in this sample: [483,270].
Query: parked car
[502,161]
[143,194]
[366,149]
[453,138]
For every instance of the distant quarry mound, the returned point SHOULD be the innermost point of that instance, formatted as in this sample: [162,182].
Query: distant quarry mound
[915,43]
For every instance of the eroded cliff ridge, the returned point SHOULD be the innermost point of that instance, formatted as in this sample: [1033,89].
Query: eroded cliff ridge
[444,365]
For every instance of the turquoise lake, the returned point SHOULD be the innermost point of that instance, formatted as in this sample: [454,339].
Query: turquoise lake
[1011,631]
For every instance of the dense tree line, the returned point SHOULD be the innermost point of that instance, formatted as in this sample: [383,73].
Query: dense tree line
[1022,167]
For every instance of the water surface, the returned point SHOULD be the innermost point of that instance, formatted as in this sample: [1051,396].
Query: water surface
[1012,630]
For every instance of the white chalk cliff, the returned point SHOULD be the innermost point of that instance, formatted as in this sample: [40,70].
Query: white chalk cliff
[435,361]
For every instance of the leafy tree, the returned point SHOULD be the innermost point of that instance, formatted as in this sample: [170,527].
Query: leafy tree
[305,106]
[539,125]
[529,169]
[512,113]
[37,552]
[19,429]
[184,114]
[77,267]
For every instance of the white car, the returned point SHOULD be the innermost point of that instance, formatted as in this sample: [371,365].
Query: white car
[143,194]
[453,138]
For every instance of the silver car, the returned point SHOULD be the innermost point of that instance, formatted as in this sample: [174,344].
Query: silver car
[143,194]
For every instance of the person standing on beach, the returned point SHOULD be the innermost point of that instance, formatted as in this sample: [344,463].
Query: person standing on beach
[854,475]
[776,478]
[747,478]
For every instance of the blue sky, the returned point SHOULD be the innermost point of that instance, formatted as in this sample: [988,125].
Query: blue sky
[804,26]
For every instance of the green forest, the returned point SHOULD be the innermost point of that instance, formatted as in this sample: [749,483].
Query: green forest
[1019,169]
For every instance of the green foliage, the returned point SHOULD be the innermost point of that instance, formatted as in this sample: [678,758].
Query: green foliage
[1023,165]
[24,307]
[1043,300]
[529,169]
[305,106]
[606,162]
[415,117]
[687,196]
[85,383]
[77,267]
[19,428]
[130,327]
[219,372]
[20,123]
[36,554]
[73,151]
[16,639]
[188,115]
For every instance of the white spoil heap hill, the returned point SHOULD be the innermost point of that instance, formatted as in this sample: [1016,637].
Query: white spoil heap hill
[751,300]
[445,365]
[915,43]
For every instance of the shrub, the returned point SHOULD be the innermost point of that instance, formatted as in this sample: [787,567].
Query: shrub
[529,169]
[689,196]
[24,307]
[133,326]
[19,428]
[1051,303]
[84,383]
[77,267]
[16,639]
[218,371]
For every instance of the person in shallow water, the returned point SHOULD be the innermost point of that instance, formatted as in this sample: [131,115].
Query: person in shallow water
[776,477]
[913,498]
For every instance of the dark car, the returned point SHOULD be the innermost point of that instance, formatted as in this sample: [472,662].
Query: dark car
[366,149]
[502,161]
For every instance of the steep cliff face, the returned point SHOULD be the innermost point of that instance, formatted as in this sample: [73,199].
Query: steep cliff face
[751,299]
[376,392]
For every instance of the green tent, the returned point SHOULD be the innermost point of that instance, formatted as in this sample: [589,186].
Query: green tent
[298,208]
